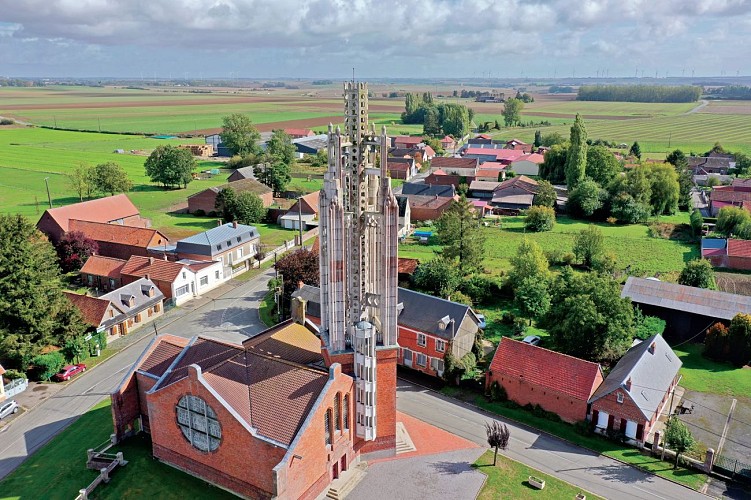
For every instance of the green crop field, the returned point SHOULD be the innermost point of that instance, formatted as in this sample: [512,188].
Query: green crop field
[631,245]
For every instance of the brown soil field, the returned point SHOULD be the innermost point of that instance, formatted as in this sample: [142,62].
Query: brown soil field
[733,282]
[321,121]
[586,117]
[727,108]
[139,104]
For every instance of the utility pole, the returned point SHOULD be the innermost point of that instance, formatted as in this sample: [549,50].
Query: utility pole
[299,217]
[49,198]
[280,299]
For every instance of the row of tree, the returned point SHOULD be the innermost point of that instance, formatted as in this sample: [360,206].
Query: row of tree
[437,119]
[639,93]
[734,92]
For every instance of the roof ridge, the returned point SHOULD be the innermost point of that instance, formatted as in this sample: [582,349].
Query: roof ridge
[550,350]
[285,361]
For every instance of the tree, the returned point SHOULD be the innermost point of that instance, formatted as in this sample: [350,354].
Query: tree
[461,235]
[248,208]
[320,159]
[588,318]
[533,297]
[281,148]
[739,340]
[576,158]
[438,277]
[432,122]
[677,158]
[455,119]
[538,139]
[498,437]
[730,219]
[434,143]
[539,219]
[698,273]
[111,178]
[716,344]
[170,166]
[665,191]
[80,180]
[685,186]
[589,245]
[678,438]
[627,210]
[546,195]
[586,198]
[34,313]
[716,149]
[276,175]
[602,165]
[73,249]
[224,203]
[512,109]
[553,167]
[300,265]
[528,262]
[553,138]
[239,134]
[635,150]
[697,222]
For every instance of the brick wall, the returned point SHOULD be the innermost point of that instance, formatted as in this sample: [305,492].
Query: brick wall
[241,463]
[419,214]
[408,340]
[50,227]
[125,407]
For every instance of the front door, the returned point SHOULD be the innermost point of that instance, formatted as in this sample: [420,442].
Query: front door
[335,470]
[344,463]
[407,357]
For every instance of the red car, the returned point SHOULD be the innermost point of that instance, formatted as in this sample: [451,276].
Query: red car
[69,371]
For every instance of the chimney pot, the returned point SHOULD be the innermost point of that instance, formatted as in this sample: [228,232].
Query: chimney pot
[151,261]
[628,384]
[234,224]
[218,222]
[300,284]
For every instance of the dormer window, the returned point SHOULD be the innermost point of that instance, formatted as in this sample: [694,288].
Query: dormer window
[151,291]
[443,323]
[219,246]
[238,239]
[229,243]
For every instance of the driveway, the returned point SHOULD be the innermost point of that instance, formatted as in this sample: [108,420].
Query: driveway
[600,475]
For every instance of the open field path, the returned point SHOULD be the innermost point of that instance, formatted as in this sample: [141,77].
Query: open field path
[698,108]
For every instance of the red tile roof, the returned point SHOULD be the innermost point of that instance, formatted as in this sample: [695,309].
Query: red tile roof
[304,132]
[405,139]
[420,201]
[106,209]
[533,157]
[500,154]
[407,266]
[739,248]
[449,162]
[160,358]
[553,370]
[156,269]
[729,195]
[92,308]
[98,265]
[309,204]
[126,235]
[429,151]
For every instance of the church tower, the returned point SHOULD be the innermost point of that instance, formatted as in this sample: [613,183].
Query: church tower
[358,257]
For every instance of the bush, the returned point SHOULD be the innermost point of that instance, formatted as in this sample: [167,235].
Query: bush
[199,213]
[568,259]
[508,318]
[238,161]
[498,393]
[14,374]
[539,218]
[480,288]
[461,298]
[520,326]
[46,365]
[6,121]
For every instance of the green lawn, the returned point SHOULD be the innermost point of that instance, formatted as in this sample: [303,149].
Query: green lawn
[509,479]
[631,245]
[627,454]
[58,469]
[704,375]
[267,310]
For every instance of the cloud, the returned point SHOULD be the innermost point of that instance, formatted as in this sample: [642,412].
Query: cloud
[438,36]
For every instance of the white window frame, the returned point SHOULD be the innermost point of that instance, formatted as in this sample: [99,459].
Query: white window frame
[424,338]
[203,280]
[619,396]
[180,291]
[424,359]
[440,345]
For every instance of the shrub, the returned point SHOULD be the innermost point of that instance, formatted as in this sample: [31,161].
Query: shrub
[6,121]
[555,256]
[716,342]
[199,213]
[520,326]
[568,259]
[481,289]
[46,365]
[508,318]
[461,298]
[498,393]
[539,218]
[14,374]
[611,220]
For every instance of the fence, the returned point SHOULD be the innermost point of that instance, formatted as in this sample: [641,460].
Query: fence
[16,386]
[732,467]
[288,244]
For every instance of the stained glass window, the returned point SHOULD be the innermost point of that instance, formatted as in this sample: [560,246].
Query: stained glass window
[198,423]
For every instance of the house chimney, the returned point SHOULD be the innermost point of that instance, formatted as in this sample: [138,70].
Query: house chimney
[300,284]
[652,347]
[218,222]
[234,224]
[165,257]
[148,276]
[151,261]
[628,384]
[297,310]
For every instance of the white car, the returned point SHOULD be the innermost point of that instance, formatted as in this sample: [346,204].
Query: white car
[531,339]
[8,408]
[481,324]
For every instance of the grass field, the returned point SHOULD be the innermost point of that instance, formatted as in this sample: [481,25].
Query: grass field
[704,375]
[58,470]
[631,245]
[509,479]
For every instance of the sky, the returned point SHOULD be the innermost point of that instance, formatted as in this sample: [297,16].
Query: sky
[379,38]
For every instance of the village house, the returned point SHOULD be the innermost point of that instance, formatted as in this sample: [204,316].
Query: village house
[488,154]
[102,273]
[460,169]
[491,171]
[729,253]
[533,375]
[405,141]
[518,145]
[305,209]
[234,245]
[514,195]
[299,133]
[637,389]
[123,310]
[527,164]
[118,209]
[426,189]
[448,143]
[701,165]
[424,208]
[688,311]
[120,242]
[483,190]
[439,177]
[205,201]
[402,168]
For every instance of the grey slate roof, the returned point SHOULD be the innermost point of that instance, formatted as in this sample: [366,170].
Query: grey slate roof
[316,142]
[710,303]
[651,371]
[418,311]
[246,172]
[443,191]
[205,243]
[139,289]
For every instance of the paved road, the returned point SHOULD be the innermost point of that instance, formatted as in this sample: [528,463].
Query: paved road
[596,473]
[231,316]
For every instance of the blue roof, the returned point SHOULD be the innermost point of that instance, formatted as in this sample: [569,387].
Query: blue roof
[217,239]
[714,243]
[423,233]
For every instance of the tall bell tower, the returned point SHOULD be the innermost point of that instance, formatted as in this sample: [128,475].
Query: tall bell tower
[359,220]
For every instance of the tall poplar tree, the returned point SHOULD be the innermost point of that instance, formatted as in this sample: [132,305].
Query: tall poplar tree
[462,238]
[576,159]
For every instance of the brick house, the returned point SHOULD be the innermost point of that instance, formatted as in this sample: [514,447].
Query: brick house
[448,143]
[123,310]
[116,209]
[402,168]
[241,173]
[179,281]
[461,167]
[120,242]
[406,141]
[636,390]
[428,207]
[102,273]
[728,196]
[205,201]
[234,245]
[428,327]
[299,133]
[279,422]
[305,209]
[533,375]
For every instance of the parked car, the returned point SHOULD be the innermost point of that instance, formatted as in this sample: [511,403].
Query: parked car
[532,339]
[481,324]
[69,371]
[8,408]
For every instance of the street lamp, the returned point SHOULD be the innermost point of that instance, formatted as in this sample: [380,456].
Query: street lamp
[49,198]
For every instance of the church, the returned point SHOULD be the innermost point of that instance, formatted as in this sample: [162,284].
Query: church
[289,410]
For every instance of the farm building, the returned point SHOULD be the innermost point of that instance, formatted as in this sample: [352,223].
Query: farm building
[205,201]
[427,207]
[241,174]
[464,167]
[305,210]
[688,311]
[299,133]
[533,375]
[215,141]
[425,189]
[402,168]
[120,242]
[310,145]
[528,164]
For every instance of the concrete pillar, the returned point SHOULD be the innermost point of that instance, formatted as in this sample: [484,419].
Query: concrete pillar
[120,458]
[656,443]
[90,454]
[82,494]
[104,475]
[113,439]
[709,460]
